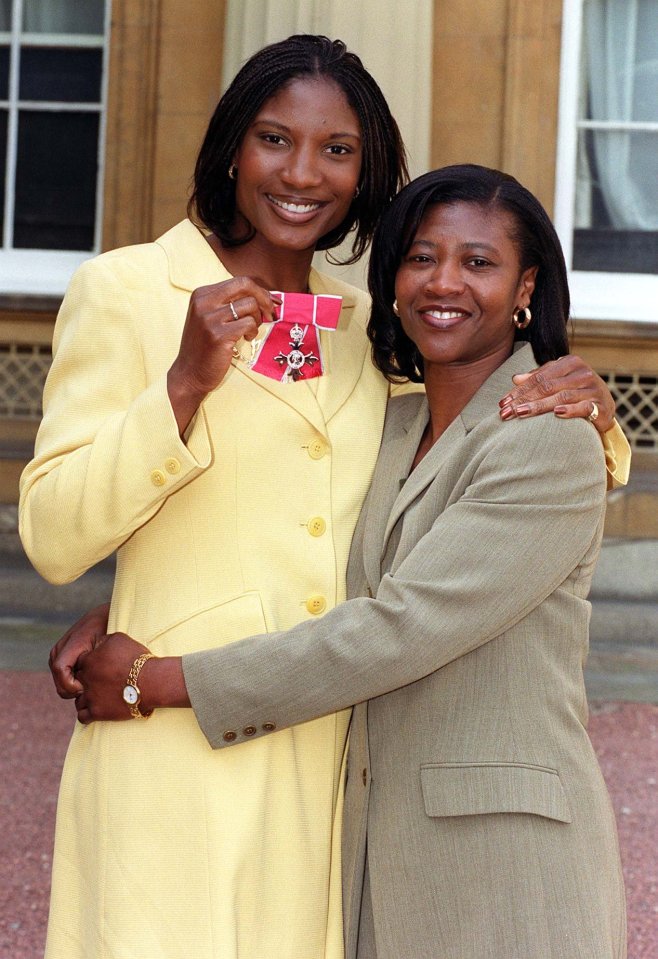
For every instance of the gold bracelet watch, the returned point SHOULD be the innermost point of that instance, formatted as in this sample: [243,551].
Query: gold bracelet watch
[131,691]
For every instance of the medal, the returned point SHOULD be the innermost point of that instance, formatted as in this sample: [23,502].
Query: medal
[296,358]
[290,349]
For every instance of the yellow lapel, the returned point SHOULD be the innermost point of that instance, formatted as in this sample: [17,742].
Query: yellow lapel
[345,350]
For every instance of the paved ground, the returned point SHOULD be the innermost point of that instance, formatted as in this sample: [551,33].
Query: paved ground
[35,726]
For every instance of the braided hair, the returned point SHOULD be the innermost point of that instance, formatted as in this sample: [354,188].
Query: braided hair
[383,169]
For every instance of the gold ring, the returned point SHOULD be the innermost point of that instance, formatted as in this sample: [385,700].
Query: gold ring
[233,310]
[595,412]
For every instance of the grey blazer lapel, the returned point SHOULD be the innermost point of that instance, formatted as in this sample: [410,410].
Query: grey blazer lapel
[485,401]
[482,405]
[426,471]
[405,422]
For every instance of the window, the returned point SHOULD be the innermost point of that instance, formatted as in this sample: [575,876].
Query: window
[52,96]
[607,171]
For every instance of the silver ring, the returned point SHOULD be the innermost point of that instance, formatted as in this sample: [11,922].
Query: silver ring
[595,412]
[233,310]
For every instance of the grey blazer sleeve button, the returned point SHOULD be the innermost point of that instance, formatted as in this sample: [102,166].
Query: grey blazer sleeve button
[249,730]
[269,727]
[364,776]
[230,735]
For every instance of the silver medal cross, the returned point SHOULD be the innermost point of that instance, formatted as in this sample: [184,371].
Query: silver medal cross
[296,359]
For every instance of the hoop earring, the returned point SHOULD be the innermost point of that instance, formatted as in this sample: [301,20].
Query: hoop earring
[395,308]
[527,317]
[232,172]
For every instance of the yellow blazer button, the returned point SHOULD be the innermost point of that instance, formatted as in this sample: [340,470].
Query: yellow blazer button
[249,730]
[316,526]
[269,727]
[158,478]
[317,449]
[230,735]
[316,605]
[172,465]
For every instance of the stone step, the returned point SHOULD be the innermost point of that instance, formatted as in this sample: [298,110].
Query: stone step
[622,673]
[626,622]
[25,595]
[627,570]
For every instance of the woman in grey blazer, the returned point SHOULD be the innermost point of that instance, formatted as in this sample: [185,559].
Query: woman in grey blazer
[477,824]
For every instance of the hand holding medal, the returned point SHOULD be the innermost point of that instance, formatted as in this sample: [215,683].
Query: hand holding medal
[217,317]
[221,314]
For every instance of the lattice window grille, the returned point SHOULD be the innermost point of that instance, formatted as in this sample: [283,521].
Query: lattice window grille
[636,396]
[23,370]
[24,367]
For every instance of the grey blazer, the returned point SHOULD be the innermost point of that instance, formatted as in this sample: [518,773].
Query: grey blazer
[477,824]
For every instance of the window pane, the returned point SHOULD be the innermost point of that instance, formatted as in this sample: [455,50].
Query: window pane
[5,14]
[56,181]
[3,160]
[4,73]
[63,16]
[49,73]
[602,250]
[618,173]
[621,57]
[616,212]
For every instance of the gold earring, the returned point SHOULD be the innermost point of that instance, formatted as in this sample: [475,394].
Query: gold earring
[396,308]
[232,171]
[527,316]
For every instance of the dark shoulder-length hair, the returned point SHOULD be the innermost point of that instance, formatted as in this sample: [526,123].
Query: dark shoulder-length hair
[535,239]
[383,168]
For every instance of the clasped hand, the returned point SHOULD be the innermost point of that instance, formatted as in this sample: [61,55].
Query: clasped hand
[102,673]
[91,667]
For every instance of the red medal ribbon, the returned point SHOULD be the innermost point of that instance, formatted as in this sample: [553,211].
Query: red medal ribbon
[290,349]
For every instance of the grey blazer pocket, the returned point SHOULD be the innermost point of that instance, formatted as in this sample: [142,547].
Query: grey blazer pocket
[472,789]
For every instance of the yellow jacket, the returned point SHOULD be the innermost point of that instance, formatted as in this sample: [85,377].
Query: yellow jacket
[162,843]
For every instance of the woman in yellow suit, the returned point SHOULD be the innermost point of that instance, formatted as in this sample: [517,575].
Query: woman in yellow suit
[231,499]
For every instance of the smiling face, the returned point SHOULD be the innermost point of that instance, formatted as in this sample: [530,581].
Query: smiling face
[459,283]
[298,166]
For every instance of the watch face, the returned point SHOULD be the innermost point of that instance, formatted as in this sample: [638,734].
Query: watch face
[130,695]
